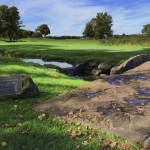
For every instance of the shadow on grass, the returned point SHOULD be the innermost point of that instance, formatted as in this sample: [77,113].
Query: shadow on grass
[53,52]
[32,138]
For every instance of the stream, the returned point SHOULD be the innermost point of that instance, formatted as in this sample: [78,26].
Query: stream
[42,63]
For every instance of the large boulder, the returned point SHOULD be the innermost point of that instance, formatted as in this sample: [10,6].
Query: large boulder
[81,68]
[85,68]
[105,68]
[29,90]
[96,71]
[131,63]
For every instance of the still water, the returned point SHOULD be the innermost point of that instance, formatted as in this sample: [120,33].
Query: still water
[41,62]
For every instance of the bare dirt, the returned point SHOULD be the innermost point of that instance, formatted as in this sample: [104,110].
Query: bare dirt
[118,104]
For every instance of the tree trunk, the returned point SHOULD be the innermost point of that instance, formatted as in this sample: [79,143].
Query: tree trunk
[10,38]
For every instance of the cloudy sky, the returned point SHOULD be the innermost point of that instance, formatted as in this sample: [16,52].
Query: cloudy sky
[68,17]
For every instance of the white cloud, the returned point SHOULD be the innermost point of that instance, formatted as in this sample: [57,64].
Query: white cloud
[68,17]
[131,20]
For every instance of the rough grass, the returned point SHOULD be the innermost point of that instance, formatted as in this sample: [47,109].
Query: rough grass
[20,128]
[73,51]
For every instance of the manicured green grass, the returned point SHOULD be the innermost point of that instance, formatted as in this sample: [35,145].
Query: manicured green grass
[20,128]
[73,51]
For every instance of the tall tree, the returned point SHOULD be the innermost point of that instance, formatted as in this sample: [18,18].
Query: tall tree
[100,27]
[103,25]
[88,32]
[43,29]
[146,29]
[10,21]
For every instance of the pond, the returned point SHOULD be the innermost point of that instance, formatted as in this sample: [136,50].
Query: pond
[41,62]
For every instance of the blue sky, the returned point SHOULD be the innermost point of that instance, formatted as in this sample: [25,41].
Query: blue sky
[68,17]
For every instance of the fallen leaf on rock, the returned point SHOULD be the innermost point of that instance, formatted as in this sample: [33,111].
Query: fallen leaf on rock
[81,109]
[70,113]
[4,144]
[75,116]
[78,124]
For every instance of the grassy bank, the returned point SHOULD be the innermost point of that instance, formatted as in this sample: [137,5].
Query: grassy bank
[129,40]
[72,51]
[21,128]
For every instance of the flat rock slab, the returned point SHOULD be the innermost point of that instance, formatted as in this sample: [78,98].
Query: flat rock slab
[119,105]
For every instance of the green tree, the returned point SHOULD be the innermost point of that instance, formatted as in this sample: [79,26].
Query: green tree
[10,21]
[99,27]
[43,29]
[103,25]
[88,32]
[146,29]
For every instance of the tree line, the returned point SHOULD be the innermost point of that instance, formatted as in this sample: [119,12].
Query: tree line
[10,25]
[99,27]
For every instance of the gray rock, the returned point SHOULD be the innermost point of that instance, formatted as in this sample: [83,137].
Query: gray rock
[131,63]
[86,68]
[29,90]
[81,67]
[93,65]
[87,71]
[105,68]
[96,72]
[147,142]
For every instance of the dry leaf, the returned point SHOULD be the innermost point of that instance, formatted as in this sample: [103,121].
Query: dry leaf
[69,130]
[143,148]
[75,116]
[19,124]
[15,106]
[43,115]
[113,144]
[81,109]
[106,142]
[40,117]
[123,146]
[7,125]
[73,134]
[90,136]
[84,142]
[70,113]
[4,144]
[78,146]
[24,132]
[78,124]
